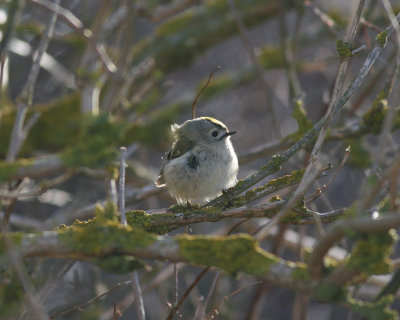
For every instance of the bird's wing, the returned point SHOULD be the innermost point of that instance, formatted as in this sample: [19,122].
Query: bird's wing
[179,148]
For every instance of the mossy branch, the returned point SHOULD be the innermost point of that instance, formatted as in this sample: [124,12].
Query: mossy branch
[110,241]
[165,220]
[343,227]
[95,239]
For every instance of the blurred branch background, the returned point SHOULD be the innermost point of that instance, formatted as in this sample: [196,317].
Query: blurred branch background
[311,86]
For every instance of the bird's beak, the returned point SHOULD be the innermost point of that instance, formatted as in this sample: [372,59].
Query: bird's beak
[230,133]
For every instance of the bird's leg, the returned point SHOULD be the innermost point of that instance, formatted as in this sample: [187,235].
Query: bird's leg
[228,195]
[188,204]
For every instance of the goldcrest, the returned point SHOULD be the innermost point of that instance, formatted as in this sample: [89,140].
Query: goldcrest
[201,163]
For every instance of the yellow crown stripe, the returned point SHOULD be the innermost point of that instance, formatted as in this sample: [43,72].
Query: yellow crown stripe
[215,121]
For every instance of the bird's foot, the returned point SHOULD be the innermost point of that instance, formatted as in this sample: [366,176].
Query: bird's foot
[228,195]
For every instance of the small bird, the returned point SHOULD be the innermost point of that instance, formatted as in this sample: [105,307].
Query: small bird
[201,163]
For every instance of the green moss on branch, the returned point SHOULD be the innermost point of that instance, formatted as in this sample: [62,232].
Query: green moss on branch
[232,254]
[371,253]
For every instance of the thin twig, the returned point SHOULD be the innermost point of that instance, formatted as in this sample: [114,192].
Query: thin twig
[13,16]
[121,193]
[25,99]
[38,190]
[201,91]
[117,313]
[139,296]
[174,310]
[19,186]
[236,225]
[253,58]
[162,12]
[27,92]
[119,83]
[312,197]
[70,19]
[325,19]
[257,303]
[36,307]
[390,12]
[210,293]
[176,283]
[121,201]
[263,233]
[2,70]
[51,281]
[387,123]
[129,299]
[85,304]
[263,150]
[226,298]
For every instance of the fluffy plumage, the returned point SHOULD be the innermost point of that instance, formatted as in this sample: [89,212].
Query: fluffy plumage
[201,162]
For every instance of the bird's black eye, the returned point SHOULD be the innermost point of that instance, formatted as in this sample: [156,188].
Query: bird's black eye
[214,133]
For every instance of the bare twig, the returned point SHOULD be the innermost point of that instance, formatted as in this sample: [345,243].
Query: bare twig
[371,192]
[142,69]
[332,178]
[393,21]
[39,189]
[289,205]
[13,16]
[121,193]
[156,281]
[23,222]
[117,312]
[121,82]
[36,307]
[70,19]
[27,92]
[210,293]
[25,99]
[387,123]
[263,150]
[90,301]
[325,19]
[201,91]
[174,310]
[121,201]
[256,305]
[51,281]
[2,70]
[162,12]
[256,63]
[226,298]
[139,296]
[176,283]
[48,62]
